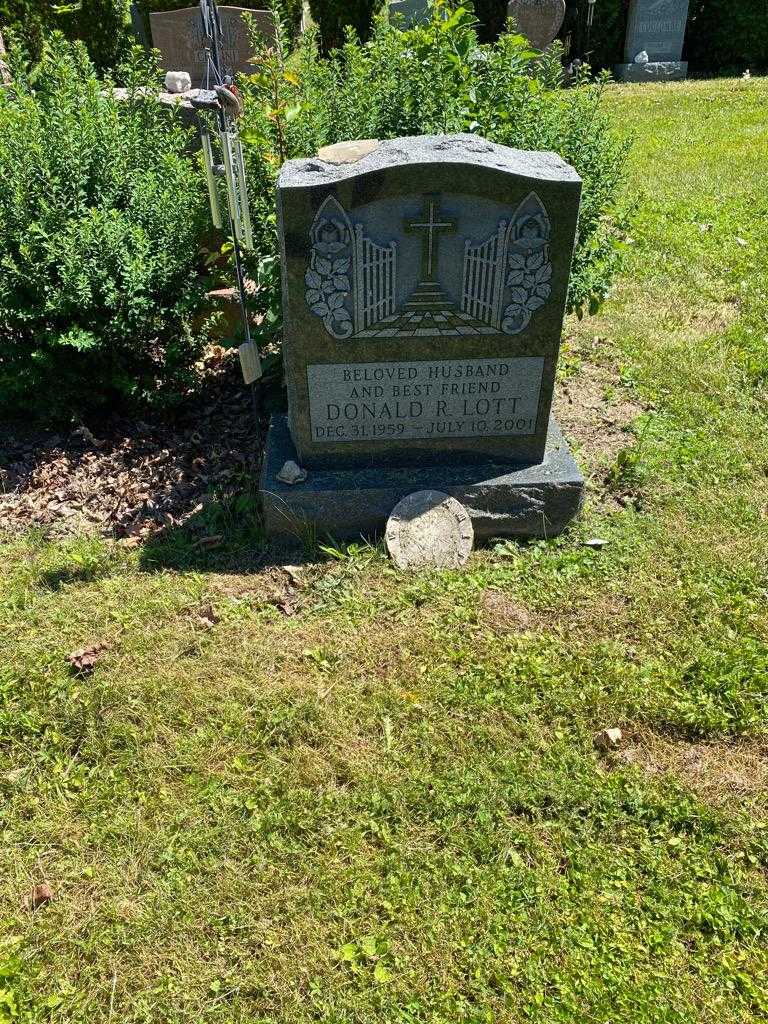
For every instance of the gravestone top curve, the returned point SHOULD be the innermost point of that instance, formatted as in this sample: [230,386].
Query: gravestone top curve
[430,149]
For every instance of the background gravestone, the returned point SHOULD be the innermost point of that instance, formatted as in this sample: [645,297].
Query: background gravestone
[413,12]
[178,35]
[538,20]
[655,27]
[423,295]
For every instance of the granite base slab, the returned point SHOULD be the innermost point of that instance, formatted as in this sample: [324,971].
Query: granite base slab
[653,71]
[346,504]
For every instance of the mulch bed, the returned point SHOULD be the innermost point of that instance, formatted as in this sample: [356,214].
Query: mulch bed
[130,478]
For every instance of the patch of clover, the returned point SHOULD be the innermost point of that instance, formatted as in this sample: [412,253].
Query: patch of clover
[327,279]
[529,282]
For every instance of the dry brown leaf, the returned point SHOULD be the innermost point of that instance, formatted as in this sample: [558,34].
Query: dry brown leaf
[40,894]
[209,542]
[83,661]
[207,617]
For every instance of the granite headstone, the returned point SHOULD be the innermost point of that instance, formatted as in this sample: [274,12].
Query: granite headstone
[655,28]
[538,20]
[412,12]
[424,288]
[178,35]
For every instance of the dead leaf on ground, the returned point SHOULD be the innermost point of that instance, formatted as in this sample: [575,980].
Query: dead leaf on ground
[287,604]
[207,617]
[83,661]
[40,894]
[295,575]
[209,542]
[502,612]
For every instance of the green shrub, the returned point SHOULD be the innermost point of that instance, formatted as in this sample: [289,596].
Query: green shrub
[437,79]
[101,24]
[26,20]
[103,27]
[333,17]
[727,35]
[100,216]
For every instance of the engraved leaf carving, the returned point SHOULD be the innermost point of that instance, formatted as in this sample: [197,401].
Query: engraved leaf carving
[519,295]
[341,266]
[312,279]
[543,273]
[313,296]
[335,300]
[323,265]
[320,309]
[535,260]
[341,314]
[341,283]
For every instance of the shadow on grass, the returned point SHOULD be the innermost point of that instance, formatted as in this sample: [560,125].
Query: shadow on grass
[227,535]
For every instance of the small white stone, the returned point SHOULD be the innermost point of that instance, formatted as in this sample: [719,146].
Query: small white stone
[642,57]
[608,739]
[177,81]
[291,473]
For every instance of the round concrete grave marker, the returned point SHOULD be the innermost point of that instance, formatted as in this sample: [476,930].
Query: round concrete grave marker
[429,528]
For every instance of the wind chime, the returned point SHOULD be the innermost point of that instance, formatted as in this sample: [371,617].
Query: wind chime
[220,96]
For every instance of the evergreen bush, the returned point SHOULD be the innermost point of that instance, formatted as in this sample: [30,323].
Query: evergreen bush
[100,219]
[333,17]
[101,24]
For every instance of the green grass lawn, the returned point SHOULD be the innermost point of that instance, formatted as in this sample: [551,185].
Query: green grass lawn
[388,806]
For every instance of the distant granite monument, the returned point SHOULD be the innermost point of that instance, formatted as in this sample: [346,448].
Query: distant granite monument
[178,35]
[412,12]
[654,41]
[424,286]
[538,20]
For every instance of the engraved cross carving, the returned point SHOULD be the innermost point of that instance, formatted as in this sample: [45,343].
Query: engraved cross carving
[431,225]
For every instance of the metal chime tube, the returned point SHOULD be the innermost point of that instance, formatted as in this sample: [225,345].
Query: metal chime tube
[210,176]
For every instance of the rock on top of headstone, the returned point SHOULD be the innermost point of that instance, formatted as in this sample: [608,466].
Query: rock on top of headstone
[347,152]
[178,35]
[538,20]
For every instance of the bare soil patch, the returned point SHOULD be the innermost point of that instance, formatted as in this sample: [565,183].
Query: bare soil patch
[595,412]
[503,614]
[722,774]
